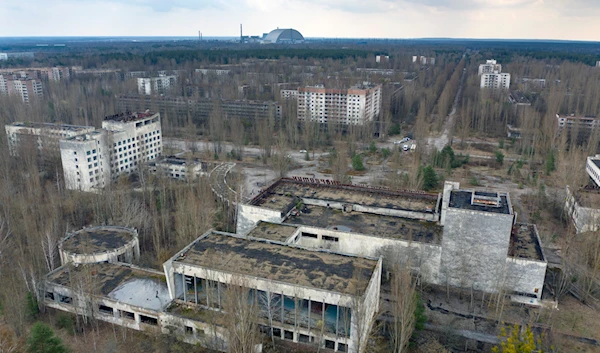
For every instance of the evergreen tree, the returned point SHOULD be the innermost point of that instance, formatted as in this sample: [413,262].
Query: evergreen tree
[430,178]
[42,340]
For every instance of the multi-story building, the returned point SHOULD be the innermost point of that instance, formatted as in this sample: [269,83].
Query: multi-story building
[489,67]
[56,73]
[156,85]
[86,161]
[16,55]
[495,80]
[201,108]
[423,60]
[462,238]
[180,168]
[579,122]
[217,72]
[44,136]
[295,293]
[583,205]
[25,88]
[355,106]
[289,93]
[382,58]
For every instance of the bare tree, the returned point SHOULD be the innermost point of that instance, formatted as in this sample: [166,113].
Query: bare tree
[403,304]
[241,314]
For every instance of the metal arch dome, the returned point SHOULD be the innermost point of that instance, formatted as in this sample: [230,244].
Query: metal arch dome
[286,35]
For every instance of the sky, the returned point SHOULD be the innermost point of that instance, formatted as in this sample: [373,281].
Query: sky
[523,19]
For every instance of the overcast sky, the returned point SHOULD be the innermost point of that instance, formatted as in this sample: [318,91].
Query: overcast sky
[530,19]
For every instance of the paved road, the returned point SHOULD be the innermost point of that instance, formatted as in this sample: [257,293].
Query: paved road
[218,183]
[442,140]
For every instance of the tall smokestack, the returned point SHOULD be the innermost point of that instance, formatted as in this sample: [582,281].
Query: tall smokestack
[241,34]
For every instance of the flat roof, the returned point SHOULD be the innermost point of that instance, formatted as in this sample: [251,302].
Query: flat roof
[98,239]
[122,282]
[57,126]
[462,199]
[596,161]
[368,224]
[126,117]
[290,264]
[588,197]
[524,243]
[284,193]
[85,136]
[272,231]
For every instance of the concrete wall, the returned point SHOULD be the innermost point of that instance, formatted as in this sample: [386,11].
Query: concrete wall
[427,216]
[474,248]
[248,216]
[585,219]
[129,253]
[525,276]
[424,258]
[366,312]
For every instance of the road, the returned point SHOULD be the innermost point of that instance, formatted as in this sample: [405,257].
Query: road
[442,140]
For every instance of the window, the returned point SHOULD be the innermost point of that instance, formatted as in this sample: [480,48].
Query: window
[333,239]
[126,315]
[49,296]
[64,299]
[103,309]
[329,344]
[342,347]
[288,335]
[309,235]
[189,330]
[149,320]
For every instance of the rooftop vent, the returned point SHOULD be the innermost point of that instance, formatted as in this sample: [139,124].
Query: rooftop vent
[488,199]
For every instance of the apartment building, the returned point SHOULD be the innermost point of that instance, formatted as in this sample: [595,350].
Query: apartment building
[354,106]
[489,67]
[24,87]
[44,136]
[423,60]
[155,85]
[85,161]
[495,80]
[289,94]
[16,55]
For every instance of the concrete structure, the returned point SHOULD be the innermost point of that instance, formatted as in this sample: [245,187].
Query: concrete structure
[538,82]
[283,36]
[583,205]
[301,294]
[86,161]
[489,67]
[423,60]
[462,238]
[24,87]
[155,85]
[16,55]
[44,136]
[579,122]
[100,244]
[289,94]
[201,108]
[495,80]
[382,58]
[294,287]
[180,168]
[355,106]
[217,72]
[518,98]
[492,76]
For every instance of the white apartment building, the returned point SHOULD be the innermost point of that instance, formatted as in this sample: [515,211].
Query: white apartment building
[495,80]
[135,138]
[85,160]
[289,94]
[155,85]
[489,67]
[354,106]
[45,136]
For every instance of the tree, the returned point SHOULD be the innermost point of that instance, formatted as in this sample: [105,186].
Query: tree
[518,340]
[357,163]
[430,178]
[42,340]
[8,340]
[403,307]
[241,314]
[499,157]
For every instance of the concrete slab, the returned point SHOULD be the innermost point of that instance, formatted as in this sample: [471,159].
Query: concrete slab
[146,293]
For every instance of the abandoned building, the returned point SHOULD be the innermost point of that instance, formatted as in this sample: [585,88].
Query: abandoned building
[301,294]
[462,238]
[100,244]
[582,204]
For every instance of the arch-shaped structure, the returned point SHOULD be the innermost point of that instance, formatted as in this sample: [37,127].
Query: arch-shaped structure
[286,35]
[100,244]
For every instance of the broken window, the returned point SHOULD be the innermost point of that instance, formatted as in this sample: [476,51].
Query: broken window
[333,239]
[309,235]
[127,315]
[288,335]
[189,330]
[64,299]
[50,296]
[329,344]
[304,338]
[342,347]
[103,309]
[149,320]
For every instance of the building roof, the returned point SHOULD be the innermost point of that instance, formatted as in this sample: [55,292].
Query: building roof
[98,239]
[126,117]
[525,243]
[488,201]
[596,160]
[368,224]
[285,193]
[290,264]
[122,282]
[288,35]
[272,231]
[53,126]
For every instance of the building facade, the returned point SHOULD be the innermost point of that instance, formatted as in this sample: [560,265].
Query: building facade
[489,67]
[23,87]
[44,136]
[355,106]
[495,80]
[155,85]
